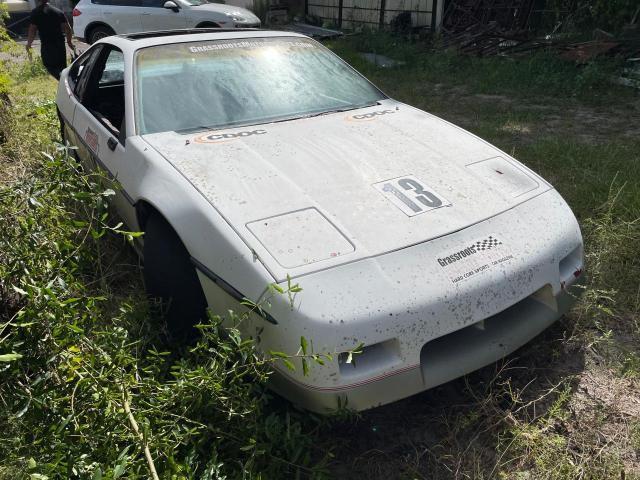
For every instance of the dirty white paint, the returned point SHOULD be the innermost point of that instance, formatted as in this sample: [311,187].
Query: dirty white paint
[316,238]
[303,199]
[335,164]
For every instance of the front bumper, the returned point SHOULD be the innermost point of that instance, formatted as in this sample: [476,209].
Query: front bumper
[443,359]
[422,315]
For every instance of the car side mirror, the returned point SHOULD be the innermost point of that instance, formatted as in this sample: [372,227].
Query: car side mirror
[171,5]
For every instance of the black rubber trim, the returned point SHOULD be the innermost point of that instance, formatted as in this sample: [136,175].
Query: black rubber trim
[230,289]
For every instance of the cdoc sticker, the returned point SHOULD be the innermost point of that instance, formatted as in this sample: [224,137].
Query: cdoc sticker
[367,117]
[225,137]
[474,259]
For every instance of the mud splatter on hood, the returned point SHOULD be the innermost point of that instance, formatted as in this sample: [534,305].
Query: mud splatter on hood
[347,169]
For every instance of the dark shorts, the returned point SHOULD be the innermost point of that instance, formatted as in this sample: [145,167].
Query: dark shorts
[54,56]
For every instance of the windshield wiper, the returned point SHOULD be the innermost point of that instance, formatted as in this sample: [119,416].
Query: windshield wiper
[339,110]
[200,128]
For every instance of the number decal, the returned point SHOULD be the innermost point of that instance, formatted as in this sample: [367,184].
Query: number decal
[427,198]
[411,195]
[402,197]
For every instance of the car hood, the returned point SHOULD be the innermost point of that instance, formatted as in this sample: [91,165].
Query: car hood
[313,193]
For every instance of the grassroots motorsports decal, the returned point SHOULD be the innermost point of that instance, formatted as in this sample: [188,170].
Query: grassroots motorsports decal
[411,195]
[474,259]
[246,44]
[226,137]
[367,117]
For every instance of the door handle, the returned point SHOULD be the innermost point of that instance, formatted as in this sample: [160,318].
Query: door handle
[112,143]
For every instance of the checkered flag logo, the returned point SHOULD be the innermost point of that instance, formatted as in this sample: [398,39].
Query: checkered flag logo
[487,244]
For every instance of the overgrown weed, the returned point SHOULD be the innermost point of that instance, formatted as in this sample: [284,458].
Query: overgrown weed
[88,386]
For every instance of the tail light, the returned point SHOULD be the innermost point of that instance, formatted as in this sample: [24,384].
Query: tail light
[76,12]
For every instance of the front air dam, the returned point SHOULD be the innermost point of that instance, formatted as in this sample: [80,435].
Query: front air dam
[442,359]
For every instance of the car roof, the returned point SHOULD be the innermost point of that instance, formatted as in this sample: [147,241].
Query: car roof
[135,41]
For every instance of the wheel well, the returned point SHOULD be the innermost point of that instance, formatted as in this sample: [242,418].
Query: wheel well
[91,26]
[207,25]
[143,211]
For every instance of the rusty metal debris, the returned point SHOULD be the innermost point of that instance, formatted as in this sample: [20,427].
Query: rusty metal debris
[484,27]
[490,27]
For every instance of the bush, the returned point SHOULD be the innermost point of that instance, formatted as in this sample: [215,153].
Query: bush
[87,389]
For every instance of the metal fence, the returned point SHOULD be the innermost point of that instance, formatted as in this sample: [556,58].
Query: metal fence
[373,13]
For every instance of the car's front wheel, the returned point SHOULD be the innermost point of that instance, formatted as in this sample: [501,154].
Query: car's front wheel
[170,279]
[98,32]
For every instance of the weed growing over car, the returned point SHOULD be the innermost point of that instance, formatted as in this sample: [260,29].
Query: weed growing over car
[89,388]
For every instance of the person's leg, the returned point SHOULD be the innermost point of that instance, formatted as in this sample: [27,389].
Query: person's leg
[54,57]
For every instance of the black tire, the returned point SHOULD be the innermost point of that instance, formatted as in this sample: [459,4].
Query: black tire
[171,281]
[98,32]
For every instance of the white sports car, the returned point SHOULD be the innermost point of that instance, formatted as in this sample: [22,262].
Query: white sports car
[249,156]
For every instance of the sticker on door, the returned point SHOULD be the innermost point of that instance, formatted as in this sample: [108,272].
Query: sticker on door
[91,138]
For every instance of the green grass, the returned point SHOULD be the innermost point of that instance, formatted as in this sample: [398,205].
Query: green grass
[89,385]
[542,73]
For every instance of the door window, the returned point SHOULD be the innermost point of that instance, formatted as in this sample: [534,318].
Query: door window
[104,95]
[113,72]
[79,71]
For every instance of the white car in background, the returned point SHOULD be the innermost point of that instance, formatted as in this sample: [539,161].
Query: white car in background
[251,157]
[96,19]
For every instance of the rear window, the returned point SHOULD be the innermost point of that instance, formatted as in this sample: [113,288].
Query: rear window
[222,83]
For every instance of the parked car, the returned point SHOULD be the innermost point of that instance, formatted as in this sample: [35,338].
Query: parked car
[96,19]
[18,12]
[253,157]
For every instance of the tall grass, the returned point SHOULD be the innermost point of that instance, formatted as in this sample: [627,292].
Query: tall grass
[88,386]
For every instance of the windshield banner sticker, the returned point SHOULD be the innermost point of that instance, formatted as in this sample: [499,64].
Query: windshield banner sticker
[411,195]
[476,258]
[245,44]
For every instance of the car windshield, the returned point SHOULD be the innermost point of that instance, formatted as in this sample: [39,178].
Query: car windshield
[223,83]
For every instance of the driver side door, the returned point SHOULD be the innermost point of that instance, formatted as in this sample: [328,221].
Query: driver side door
[99,122]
